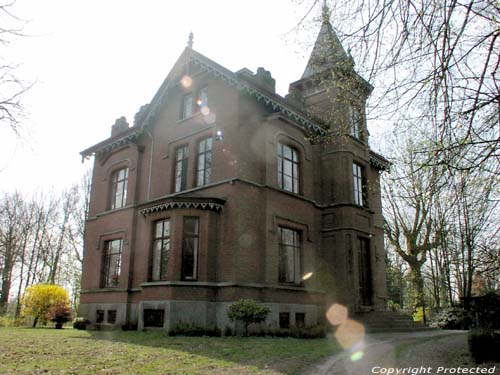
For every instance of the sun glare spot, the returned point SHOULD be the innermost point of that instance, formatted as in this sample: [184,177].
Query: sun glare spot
[350,333]
[307,276]
[205,111]
[356,356]
[337,314]
[209,118]
[186,82]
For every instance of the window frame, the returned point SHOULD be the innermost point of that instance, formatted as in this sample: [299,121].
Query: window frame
[204,161]
[106,281]
[202,100]
[164,254]
[287,275]
[195,248]
[355,122]
[187,108]
[360,193]
[181,164]
[119,188]
[292,163]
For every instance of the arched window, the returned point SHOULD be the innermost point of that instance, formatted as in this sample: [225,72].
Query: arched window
[288,168]
[119,184]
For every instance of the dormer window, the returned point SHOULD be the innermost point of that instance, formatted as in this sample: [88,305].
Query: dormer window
[187,106]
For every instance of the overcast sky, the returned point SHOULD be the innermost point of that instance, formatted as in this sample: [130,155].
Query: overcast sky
[94,61]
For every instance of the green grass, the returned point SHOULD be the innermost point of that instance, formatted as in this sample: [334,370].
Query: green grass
[68,351]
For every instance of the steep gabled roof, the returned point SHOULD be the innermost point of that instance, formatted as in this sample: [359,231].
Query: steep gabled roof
[328,51]
[190,56]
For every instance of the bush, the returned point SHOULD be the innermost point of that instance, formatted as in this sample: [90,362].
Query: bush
[452,318]
[80,323]
[314,332]
[7,321]
[189,329]
[484,344]
[60,313]
[38,300]
[247,311]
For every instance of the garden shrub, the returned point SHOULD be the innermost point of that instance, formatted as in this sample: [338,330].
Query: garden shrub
[452,318]
[80,323]
[248,312]
[190,329]
[484,344]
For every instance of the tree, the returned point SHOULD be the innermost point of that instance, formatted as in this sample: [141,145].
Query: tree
[38,300]
[410,193]
[247,311]
[432,61]
[11,87]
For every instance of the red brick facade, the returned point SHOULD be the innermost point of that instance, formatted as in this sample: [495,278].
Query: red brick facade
[241,210]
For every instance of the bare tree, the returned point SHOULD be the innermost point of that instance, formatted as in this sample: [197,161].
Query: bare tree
[11,87]
[430,61]
[409,194]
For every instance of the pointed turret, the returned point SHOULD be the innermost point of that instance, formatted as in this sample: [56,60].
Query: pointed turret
[328,51]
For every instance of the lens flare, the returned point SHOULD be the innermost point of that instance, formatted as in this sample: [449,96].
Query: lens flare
[337,314]
[350,333]
[186,82]
[205,111]
[307,276]
[209,118]
[356,356]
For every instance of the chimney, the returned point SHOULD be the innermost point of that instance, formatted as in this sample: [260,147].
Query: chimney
[120,126]
[264,79]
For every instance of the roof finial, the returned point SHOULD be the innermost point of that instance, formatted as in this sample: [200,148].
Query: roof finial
[326,12]
[190,40]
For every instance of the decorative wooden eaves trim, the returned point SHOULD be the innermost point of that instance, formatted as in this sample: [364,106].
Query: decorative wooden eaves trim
[183,204]
[379,162]
[241,85]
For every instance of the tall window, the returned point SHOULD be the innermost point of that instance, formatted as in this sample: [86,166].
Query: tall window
[288,168]
[119,183]
[202,97]
[204,166]
[181,166]
[161,250]
[355,122]
[187,106]
[359,185]
[111,265]
[190,244]
[289,256]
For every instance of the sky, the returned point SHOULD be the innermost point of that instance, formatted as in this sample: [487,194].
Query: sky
[92,62]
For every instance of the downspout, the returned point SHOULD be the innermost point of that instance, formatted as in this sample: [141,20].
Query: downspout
[150,162]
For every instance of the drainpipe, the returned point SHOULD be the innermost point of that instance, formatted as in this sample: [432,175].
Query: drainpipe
[150,163]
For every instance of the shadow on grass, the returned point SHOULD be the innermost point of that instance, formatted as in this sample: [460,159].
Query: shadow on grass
[284,355]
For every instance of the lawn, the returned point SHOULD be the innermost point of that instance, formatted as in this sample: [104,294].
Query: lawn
[69,351]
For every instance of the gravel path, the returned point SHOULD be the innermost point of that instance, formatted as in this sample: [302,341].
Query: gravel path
[425,352]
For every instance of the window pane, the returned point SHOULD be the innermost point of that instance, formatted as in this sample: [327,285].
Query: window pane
[289,256]
[155,272]
[287,152]
[119,182]
[203,97]
[190,248]
[191,225]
